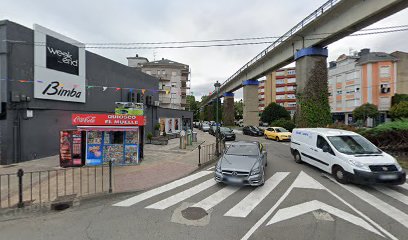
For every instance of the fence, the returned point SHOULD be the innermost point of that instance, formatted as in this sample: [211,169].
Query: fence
[38,187]
[208,153]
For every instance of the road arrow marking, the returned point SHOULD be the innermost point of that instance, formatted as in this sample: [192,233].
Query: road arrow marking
[305,181]
[300,209]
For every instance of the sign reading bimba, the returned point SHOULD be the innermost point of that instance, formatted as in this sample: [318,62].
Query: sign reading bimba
[59,67]
[107,120]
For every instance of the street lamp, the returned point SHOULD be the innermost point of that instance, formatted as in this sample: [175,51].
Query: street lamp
[217,86]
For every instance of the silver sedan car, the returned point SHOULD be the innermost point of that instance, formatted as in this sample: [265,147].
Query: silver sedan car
[243,163]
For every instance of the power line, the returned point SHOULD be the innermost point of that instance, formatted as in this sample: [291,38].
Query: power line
[362,32]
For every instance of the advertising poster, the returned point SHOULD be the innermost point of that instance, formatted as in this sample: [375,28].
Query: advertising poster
[94,148]
[169,125]
[162,124]
[131,154]
[113,153]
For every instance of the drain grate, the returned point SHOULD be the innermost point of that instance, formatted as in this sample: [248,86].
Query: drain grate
[193,213]
[60,206]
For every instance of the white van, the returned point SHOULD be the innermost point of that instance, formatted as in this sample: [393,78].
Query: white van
[347,155]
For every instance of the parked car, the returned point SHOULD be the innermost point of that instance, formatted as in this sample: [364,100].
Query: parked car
[348,156]
[277,133]
[205,127]
[212,130]
[243,163]
[227,134]
[252,131]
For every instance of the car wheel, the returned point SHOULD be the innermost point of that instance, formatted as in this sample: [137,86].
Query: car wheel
[277,139]
[266,137]
[263,179]
[340,175]
[297,157]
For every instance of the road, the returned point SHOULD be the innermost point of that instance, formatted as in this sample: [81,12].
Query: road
[297,201]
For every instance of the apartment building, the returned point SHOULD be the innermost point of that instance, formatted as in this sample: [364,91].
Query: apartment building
[279,87]
[366,77]
[174,80]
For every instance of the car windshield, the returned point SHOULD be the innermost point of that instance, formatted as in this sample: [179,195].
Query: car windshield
[242,150]
[353,144]
[205,125]
[279,129]
[225,129]
[255,128]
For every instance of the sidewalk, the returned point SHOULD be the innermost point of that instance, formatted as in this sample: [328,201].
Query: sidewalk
[161,164]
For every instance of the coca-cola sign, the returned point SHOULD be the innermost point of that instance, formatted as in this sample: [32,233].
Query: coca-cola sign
[107,120]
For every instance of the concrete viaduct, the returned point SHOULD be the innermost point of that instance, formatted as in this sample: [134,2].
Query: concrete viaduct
[305,43]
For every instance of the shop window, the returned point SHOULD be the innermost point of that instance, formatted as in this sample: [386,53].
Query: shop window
[138,97]
[113,137]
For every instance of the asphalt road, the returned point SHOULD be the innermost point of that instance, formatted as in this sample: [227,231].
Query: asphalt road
[298,202]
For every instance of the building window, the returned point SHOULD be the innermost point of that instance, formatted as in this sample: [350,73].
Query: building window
[291,80]
[158,72]
[291,104]
[280,97]
[280,89]
[290,88]
[385,71]
[174,73]
[164,72]
[339,92]
[280,73]
[280,81]
[385,88]
[173,84]
[149,72]
[291,96]
[291,72]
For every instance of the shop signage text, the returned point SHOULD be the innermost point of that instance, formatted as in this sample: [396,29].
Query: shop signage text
[61,56]
[107,120]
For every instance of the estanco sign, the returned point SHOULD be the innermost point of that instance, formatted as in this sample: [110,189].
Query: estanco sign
[59,71]
[107,120]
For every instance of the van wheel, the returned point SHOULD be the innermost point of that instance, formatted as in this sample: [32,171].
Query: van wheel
[340,175]
[297,157]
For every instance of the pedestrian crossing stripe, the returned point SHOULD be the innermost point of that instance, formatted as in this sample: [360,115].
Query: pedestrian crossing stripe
[394,194]
[162,189]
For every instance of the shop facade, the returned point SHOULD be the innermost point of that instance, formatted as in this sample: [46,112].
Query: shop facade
[39,95]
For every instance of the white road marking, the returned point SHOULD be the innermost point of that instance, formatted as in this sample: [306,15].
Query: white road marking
[383,207]
[156,191]
[300,209]
[216,198]
[245,206]
[170,201]
[404,186]
[394,194]
[305,181]
[211,168]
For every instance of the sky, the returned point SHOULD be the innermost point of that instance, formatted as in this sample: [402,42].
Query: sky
[121,21]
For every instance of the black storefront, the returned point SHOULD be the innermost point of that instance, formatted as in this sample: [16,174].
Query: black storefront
[30,125]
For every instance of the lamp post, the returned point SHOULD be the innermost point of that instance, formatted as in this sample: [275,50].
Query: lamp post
[217,86]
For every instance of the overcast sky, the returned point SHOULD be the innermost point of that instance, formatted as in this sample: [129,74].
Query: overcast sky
[181,20]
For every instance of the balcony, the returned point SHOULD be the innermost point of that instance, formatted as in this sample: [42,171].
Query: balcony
[165,100]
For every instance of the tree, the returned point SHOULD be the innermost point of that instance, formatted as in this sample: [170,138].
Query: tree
[400,110]
[365,111]
[274,112]
[397,98]
[239,109]
[193,107]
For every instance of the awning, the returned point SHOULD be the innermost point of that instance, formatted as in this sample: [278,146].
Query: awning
[107,128]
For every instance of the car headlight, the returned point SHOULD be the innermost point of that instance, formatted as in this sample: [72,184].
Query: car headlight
[399,168]
[359,164]
[256,170]
[218,168]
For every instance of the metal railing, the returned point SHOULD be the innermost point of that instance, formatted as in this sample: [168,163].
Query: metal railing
[38,187]
[208,153]
[293,31]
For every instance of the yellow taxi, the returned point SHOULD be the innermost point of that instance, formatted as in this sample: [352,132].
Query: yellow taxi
[277,133]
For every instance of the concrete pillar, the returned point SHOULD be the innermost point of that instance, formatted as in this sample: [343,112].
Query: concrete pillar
[250,114]
[228,110]
[313,109]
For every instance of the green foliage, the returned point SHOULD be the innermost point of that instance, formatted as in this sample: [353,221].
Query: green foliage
[387,127]
[397,98]
[157,126]
[193,106]
[400,110]
[274,112]
[313,108]
[149,136]
[365,111]
[285,123]
[239,109]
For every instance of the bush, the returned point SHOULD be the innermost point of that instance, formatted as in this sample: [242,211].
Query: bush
[287,124]
[397,98]
[365,111]
[274,112]
[149,136]
[400,110]
[157,126]
[389,136]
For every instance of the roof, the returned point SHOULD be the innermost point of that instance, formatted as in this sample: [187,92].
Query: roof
[375,57]
[326,131]
[165,62]
[244,143]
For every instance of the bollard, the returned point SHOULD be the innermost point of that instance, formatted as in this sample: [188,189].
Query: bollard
[110,176]
[20,174]
[199,155]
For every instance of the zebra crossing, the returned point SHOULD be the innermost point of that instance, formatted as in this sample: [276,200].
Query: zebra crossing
[179,191]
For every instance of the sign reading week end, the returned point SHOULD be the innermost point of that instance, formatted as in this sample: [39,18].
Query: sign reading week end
[107,120]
